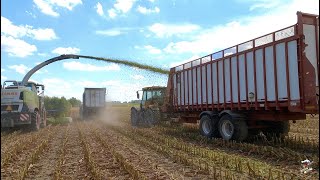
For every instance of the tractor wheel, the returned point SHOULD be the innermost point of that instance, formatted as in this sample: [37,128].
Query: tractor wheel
[35,121]
[231,129]
[149,118]
[134,117]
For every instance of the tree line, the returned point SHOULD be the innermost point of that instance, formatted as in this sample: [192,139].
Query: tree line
[59,107]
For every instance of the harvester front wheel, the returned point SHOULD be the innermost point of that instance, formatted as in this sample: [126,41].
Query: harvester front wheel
[134,117]
[44,119]
[35,121]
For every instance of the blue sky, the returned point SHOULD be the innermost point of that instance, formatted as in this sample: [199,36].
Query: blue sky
[163,33]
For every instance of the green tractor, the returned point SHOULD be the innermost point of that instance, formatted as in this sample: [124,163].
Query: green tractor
[149,113]
[22,106]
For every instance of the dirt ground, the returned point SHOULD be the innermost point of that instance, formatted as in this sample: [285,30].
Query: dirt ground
[109,148]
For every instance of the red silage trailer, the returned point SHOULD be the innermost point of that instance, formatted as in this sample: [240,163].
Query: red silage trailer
[257,85]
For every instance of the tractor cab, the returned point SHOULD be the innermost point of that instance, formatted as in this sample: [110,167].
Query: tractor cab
[152,97]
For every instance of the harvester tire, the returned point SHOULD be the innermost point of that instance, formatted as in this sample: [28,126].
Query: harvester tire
[233,129]
[35,121]
[134,117]
[44,119]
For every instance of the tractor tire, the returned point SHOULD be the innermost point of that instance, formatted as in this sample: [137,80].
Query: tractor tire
[207,127]
[278,129]
[35,121]
[149,119]
[134,117]
[231,129]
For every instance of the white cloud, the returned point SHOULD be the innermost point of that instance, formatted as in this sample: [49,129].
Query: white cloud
[9,29]
[124,5]
[73,65]
[152,1]
[17,47]
[43,34]
[47,6]
[150,49]
[144,10]
[21,68]
[120,7]
[109,32]
[42,54]
[60,87]
[3,70]
[99,9]
[264,4]
[86,83]
[43,71]
[137,77]
[112,13]
[240,30]
[31,14]
[67,50]
[3,78]
[167,30]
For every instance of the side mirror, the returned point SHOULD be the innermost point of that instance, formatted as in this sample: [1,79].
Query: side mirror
[138,97]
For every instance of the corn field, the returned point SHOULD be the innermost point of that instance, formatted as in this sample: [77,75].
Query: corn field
[109,148]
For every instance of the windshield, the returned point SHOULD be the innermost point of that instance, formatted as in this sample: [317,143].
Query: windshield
[152,94]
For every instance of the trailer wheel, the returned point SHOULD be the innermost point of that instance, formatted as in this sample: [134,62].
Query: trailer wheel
[231,129]
[134,117]
[207,127]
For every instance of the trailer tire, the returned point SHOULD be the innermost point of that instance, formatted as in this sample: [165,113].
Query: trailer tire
[207,127]
[134,117]
[233,129]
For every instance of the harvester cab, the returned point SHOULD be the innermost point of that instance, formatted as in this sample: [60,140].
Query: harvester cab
[22,105]
[150,105]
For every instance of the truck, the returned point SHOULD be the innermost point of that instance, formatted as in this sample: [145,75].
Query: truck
[22,106]
[252,87]
[93,102]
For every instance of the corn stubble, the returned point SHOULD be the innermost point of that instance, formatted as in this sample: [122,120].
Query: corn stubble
[104,151]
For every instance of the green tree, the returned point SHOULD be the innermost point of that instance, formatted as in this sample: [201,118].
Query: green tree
[59,107]
[74,102]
